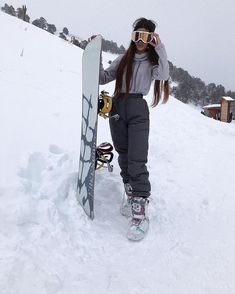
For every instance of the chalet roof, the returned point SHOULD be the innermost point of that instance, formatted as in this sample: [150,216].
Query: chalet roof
[227,98]
[212,106]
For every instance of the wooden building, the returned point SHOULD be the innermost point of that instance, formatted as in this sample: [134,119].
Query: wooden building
[212,110]
[226,114]
[220,111]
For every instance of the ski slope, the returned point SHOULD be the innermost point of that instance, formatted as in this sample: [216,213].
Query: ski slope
[47,244]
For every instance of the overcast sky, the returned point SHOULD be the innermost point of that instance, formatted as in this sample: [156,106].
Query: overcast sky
[199,35]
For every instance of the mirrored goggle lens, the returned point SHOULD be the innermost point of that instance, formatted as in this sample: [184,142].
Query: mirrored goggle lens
[143,36]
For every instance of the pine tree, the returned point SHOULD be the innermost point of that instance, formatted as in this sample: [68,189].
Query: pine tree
[40,22]
[9,9]
[51,28]
[65,31]
[22,13]
[62,36]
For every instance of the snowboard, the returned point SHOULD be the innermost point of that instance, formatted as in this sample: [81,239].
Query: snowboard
[90,93]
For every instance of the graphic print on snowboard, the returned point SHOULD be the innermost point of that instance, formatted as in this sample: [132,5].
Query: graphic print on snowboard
[90,92]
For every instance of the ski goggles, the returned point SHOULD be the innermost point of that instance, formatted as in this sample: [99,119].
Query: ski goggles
[145,37]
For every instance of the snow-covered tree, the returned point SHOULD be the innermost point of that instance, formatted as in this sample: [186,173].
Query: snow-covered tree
[40,22]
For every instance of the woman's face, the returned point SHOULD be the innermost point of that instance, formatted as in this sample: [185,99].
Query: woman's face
[141,46]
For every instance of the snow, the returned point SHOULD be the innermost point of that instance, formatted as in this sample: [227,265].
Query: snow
[227,98]
[47,244]
[212,106]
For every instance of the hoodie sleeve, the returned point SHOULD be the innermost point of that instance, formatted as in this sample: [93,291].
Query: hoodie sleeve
[109,74]
[161,71]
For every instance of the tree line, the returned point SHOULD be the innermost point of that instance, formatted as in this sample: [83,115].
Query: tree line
[21,12]
[193,90]
[188,89]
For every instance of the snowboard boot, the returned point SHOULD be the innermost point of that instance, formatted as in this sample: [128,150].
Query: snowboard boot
[125,208]
[139,224]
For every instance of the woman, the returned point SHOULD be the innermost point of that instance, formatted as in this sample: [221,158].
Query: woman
[144,61]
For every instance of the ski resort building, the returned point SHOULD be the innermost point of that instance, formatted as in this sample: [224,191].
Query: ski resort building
[220,111]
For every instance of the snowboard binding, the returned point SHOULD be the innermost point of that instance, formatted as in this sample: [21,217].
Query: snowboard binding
[105,106]
[104,156]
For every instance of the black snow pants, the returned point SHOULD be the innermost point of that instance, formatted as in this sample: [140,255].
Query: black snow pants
[130,135]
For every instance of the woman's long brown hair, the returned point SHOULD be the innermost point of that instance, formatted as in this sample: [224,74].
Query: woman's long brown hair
[125,69]
[126,66]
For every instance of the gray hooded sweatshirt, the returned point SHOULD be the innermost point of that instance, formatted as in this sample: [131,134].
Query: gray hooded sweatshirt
[143,71]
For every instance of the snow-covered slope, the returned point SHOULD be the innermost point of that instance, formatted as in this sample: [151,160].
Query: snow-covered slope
[47,244]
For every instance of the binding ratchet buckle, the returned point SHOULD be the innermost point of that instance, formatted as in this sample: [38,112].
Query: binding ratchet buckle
[105,106]
[104,156]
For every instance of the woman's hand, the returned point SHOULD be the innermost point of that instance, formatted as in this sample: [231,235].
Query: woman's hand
[156,40]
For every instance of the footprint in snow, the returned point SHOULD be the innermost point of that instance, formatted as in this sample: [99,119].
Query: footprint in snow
[33,171]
